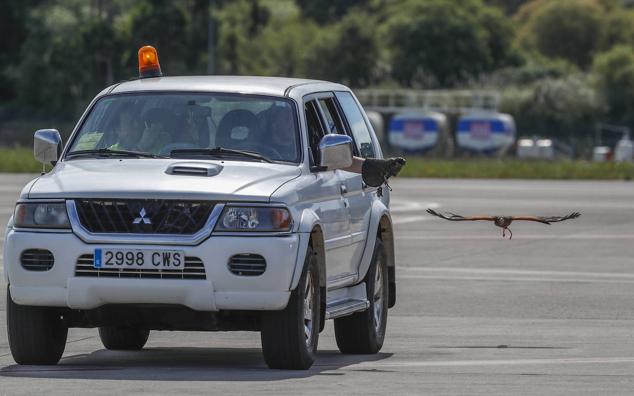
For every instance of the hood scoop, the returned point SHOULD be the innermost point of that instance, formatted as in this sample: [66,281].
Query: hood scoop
[193,169]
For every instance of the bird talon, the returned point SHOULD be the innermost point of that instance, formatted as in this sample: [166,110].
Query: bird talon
[504,233]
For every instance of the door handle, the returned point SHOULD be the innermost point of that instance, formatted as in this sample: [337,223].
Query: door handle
[343,189]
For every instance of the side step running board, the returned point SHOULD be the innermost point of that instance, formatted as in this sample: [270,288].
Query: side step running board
[345,307]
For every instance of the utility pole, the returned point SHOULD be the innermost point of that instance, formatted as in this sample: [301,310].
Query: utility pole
[211,40]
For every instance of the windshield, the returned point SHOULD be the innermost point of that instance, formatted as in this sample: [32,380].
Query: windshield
[163,123]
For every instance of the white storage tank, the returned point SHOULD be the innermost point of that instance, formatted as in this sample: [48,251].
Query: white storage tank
[535,148]
[601,153]
[624,150]
[485,132]
[527,148]
[418,132]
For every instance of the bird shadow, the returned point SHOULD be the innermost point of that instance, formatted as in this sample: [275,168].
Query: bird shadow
[182,364]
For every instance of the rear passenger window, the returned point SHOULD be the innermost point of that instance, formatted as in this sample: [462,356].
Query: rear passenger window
[358,127]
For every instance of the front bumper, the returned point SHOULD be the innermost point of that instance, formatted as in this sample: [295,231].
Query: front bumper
[221,290]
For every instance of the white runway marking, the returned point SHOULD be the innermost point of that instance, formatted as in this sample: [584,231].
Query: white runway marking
[409,219]
[397,206]
[517,236]
[518,272]
[516,279]
[495,274]
[517,362]
[13,188]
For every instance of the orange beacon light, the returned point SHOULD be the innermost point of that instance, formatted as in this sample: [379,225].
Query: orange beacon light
[149,63]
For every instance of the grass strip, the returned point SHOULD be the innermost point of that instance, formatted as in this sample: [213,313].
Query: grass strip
[18,160]
[21,160]
[517,169]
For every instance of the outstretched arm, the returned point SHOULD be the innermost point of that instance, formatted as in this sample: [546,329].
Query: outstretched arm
[357,165]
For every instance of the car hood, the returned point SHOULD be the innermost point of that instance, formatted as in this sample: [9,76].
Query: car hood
[152,178]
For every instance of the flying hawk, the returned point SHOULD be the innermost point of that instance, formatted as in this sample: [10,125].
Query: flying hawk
[504,221]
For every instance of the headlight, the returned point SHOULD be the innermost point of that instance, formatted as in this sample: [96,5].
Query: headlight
[41,215]
[261,219]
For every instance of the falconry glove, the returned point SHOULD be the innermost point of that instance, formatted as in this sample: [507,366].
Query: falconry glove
[375,172]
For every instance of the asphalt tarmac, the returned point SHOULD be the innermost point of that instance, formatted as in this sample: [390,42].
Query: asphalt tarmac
[549,312]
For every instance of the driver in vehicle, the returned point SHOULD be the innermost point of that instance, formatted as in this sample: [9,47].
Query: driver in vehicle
[127,131]
[151,138]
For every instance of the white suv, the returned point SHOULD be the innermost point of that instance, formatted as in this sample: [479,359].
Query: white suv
[204,203]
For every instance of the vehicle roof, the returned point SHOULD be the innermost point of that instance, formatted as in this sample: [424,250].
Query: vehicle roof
[274,86]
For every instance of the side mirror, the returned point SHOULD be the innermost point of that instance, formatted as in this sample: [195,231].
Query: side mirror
[335,151]
[47,145]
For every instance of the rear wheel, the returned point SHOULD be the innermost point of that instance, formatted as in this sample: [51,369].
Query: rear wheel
[364,332]
[289,337]
[123,338]
[37,335]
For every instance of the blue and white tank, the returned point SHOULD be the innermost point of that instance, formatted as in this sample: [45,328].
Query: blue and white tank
[485,132]
[416,131]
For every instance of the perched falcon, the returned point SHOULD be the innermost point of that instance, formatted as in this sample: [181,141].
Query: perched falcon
[504,221]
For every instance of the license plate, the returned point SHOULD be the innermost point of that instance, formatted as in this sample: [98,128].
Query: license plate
[141,259]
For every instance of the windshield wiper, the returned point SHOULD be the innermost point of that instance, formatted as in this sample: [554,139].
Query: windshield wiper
[219,152]
[109,152]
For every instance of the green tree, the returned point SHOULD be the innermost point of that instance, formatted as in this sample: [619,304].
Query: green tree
[161,24]
[327,11]
[283,47]
[509,6]
[619,28]
[565,108]
[567,29]
[347,51]
[13,30]
[614,71]
[54,67]
[239,23]
[438,43]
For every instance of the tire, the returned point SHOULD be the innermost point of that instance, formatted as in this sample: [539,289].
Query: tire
[37,335]
[289,337]
[123,338]
[364,332]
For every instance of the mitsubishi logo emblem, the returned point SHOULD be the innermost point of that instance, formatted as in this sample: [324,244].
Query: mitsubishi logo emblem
[142,218]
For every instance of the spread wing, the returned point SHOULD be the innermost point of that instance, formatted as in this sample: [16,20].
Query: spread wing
[548,220]
[455,217]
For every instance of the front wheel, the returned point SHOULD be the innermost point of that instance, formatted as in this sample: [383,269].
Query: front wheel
[37,335]
[364,332]
[289,337]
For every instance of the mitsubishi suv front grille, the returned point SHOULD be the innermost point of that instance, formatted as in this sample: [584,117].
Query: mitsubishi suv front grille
[193,269]
[143,216]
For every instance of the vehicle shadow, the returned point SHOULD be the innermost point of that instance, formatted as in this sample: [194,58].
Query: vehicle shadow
[182,364]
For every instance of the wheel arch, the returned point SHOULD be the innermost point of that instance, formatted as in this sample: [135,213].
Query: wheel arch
[4,249]
[311,235]
[385,232]
[381,227]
